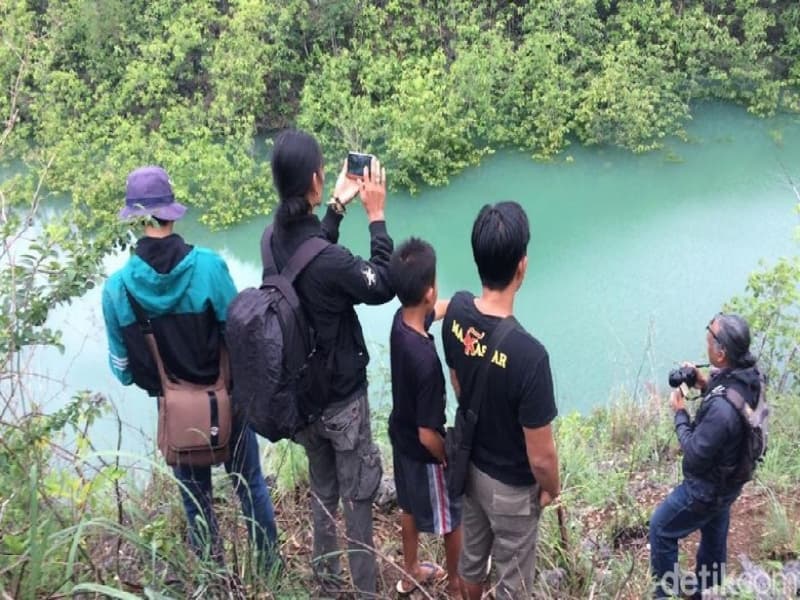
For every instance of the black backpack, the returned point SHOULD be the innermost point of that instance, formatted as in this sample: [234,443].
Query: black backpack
[755,421]
[277,373]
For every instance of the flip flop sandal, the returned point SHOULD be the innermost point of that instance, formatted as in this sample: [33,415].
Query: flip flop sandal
[403,593]
[436,574]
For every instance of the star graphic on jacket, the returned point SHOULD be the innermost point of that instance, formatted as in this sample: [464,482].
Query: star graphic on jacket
[369,275]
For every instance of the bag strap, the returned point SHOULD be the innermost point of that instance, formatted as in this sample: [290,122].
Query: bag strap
[267,258]
[146,327]
[305,253]
[735,398]
[478,384]
[149,337]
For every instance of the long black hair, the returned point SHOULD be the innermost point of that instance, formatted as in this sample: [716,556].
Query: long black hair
[296,156]
[734,336]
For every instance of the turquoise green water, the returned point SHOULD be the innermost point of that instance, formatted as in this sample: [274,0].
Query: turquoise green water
[630,255]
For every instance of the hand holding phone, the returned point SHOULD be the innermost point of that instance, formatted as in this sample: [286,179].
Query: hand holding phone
[372,189]
[356,163]
[346,187]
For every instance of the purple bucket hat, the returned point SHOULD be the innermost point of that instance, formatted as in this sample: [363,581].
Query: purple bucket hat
[148,193]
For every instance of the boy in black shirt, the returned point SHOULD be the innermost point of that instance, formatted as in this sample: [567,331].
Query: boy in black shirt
[416,425]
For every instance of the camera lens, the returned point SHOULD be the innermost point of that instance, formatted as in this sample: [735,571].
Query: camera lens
[675,379]
[681,375]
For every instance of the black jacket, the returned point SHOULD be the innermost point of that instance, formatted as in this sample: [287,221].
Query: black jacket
[331,286]
[712,444]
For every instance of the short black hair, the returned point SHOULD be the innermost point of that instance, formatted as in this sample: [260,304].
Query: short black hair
[500,239]
[412,270]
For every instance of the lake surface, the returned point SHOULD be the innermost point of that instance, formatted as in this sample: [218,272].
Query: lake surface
[630,256]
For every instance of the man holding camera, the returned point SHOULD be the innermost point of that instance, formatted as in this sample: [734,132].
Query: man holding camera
[712,446]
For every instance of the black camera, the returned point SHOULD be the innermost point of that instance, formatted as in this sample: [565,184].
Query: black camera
[686,375]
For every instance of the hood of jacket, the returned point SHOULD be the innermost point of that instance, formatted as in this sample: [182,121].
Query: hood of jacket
[159,292]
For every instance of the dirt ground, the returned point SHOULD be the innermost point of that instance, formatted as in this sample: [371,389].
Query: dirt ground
[749,517]
[748,521]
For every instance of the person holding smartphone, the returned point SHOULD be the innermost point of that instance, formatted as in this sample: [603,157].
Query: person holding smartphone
[344,462]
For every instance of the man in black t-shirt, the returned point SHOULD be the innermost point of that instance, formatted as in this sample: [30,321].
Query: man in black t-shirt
[514,464]
[416,425]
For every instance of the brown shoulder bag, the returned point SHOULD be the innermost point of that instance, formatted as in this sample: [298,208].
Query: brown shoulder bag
[194,420]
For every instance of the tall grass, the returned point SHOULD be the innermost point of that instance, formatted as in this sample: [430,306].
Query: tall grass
[65,531]
[781,467]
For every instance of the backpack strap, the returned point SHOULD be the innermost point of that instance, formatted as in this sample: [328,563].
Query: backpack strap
[305,253]
[267,258]
[735,399]
[733,396]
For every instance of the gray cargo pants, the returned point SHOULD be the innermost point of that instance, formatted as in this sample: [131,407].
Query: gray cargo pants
[343,462]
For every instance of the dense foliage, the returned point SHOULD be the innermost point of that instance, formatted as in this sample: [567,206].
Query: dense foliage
[101,86]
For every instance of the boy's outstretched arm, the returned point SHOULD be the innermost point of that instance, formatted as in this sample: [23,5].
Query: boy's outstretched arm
[440,308]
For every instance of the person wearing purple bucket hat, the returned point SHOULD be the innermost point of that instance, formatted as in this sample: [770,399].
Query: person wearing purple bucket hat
[184,291]
[148,193]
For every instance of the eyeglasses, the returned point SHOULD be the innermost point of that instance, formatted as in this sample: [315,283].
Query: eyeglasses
[711,331]
[714,335]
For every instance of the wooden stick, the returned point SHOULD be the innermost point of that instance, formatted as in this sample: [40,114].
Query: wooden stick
[562,527]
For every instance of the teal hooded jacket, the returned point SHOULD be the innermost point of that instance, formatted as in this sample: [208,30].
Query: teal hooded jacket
[186,306]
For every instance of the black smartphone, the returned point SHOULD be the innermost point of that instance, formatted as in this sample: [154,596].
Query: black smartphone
[356,161]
